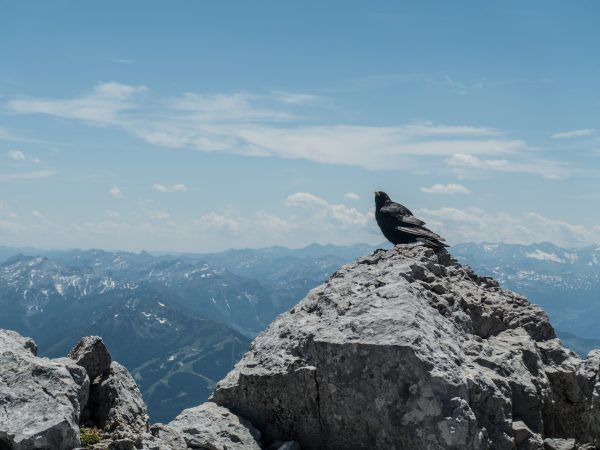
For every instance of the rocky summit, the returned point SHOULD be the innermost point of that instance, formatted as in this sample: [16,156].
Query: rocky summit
[408,349]
[403,349]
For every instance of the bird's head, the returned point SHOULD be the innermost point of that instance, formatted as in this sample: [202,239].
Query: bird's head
[380,198]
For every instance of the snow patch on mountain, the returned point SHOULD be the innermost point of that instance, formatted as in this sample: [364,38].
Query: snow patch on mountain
[543,256]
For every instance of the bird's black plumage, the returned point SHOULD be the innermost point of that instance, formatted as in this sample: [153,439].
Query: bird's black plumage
[399,226]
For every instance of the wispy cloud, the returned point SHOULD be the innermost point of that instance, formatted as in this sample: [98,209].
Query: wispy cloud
[24,176]
[158,215]
[101,106]
[446,189]
[269,125]
[323,212]
[461,87]
[115,191]
[7,135]
[467,165]
[18,155]
[169,188]
[214,221]
[122,61]
[574,133]
[295,98]
[351,196]
[478,225]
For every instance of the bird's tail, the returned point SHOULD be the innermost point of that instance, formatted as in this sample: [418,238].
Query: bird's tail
[433,244]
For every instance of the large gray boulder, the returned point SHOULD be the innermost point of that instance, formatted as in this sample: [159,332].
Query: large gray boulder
[40,399]
[408,349]
[213,427]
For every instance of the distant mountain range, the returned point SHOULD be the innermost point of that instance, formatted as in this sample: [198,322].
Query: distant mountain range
[180,322]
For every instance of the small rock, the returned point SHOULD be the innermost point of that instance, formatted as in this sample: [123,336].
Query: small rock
[559,444]
[438,288]
[214,427]
[91,354]
[521,431]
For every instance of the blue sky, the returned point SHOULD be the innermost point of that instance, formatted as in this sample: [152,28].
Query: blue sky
[196,126]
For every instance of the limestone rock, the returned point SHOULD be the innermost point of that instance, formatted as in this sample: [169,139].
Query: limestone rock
[40,399]
[408,349]
[91,354]
[116,403]
[213,427]
[164,437]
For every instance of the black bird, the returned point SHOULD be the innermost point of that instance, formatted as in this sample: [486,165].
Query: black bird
[399,225]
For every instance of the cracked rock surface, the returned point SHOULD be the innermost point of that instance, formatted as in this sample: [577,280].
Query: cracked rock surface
[40,399]
[210,426]
[408,349]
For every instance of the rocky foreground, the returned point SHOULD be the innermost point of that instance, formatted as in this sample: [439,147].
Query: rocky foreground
[403,349]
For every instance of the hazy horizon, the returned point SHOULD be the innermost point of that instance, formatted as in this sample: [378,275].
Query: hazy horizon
[161,252]
[197,127]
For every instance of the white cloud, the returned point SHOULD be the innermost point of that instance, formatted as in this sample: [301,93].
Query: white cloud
[43,221]
[544,256]
[295,98]
[477,225]
[239,106]
[351,196]
[116,192]
[169,188]
[446,189]
[218,222]
[466,164]
[466,160]
[272,223]
[158,215]
[574,133]
[23,176]
[326,213]
[268,125]
[17,155]
[101,106]
[462,88]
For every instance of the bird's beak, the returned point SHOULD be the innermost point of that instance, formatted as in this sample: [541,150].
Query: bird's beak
[377,193]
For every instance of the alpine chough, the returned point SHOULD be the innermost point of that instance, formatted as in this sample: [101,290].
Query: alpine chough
[399,225]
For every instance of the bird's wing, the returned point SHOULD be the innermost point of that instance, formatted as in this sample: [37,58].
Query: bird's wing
[421,232]
[401,213]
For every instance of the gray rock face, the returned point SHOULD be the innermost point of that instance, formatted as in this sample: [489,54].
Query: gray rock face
[117,403]
[213,427]
[408,349]
[40,399]
[164,437]
[91,354]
